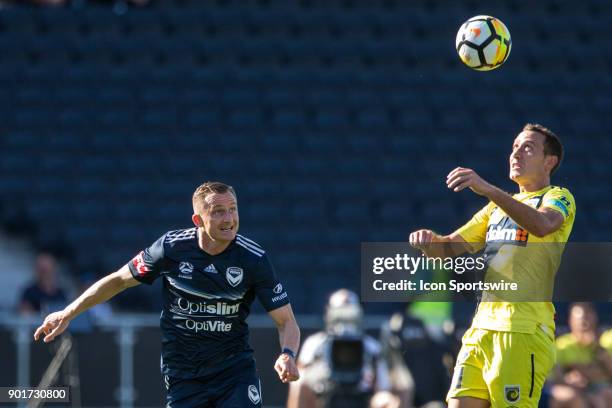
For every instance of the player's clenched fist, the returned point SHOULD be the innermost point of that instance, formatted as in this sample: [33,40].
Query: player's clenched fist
[461,178]
[422,238]
[286,369]
[53,325]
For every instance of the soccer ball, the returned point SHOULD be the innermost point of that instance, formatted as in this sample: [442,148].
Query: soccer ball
[483,43]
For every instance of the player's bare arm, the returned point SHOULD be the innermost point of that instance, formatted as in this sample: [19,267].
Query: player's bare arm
[435,245]
[101,291]
[539,222]
[289,337]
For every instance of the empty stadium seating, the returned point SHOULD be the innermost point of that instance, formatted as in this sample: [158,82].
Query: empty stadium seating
[336,120]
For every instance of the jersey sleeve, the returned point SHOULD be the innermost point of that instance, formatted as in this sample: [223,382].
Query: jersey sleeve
[560,200]
[149,263]
[474,232]
[268,289]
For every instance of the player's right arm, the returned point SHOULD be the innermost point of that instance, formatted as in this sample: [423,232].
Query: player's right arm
[101,291]
[468,238]
[145,267]
[435,245]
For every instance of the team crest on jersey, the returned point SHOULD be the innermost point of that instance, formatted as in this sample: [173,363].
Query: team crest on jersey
[254,394]
[186,269]
[234,275]
[512,393]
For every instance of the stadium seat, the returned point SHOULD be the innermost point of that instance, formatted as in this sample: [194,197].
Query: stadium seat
[337,121]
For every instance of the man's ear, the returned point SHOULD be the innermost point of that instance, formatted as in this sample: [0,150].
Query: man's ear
[197,220]
[550,162]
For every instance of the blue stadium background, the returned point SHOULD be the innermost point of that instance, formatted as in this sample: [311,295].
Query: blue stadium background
[336,120]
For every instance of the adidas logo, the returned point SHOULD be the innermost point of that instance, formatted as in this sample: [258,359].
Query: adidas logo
[210,269]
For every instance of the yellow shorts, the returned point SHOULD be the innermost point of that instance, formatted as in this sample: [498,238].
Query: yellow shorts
[508,369]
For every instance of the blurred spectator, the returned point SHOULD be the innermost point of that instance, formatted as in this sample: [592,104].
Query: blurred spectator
[582,377]
[409,348]
[45,292]
[341,366]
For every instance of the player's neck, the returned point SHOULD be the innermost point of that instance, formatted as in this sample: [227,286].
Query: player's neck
[535,185]
[210,246]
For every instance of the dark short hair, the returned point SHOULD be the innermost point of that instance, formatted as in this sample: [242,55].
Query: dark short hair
[552,143]
[208,188]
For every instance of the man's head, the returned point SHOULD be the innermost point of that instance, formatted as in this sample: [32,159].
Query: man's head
[343,313]
[536,154]
[582,317]
[215,210]
[46,271]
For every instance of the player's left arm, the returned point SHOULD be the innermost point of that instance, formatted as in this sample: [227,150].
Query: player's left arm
[539,222]
[289,338]
[275,300]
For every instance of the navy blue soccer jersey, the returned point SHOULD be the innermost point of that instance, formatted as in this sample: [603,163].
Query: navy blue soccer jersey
[206,299]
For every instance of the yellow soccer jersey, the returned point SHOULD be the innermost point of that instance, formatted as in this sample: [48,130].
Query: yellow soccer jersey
[533,268]
[569,352]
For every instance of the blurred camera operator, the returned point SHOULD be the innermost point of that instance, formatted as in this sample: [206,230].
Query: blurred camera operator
[341,366]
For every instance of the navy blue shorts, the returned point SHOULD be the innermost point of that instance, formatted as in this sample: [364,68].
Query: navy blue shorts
[237,387]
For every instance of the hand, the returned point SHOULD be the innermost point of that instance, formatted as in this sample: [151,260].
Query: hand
[422,238]
[53,325]
[576,379]
[461,178]
[286,368]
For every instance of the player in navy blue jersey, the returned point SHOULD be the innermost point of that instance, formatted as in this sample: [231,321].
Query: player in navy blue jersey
[211,275]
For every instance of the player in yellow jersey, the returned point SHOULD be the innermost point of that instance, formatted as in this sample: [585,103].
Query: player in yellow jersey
[509,350]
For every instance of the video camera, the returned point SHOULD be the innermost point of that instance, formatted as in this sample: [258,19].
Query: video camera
[343,387]
[346,358]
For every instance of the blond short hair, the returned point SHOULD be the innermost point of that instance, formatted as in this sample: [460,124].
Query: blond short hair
[208,188]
